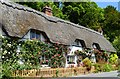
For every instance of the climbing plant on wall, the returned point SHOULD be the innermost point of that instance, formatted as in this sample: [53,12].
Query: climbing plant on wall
[28,53]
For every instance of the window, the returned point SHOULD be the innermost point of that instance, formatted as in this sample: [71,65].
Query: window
[35,35]
[70,59]
[96,46]
[80,43]
[44,60]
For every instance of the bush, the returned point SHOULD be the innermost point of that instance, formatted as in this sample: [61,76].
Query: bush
[107,68]
[87,63]
[103,67]
[113,59]
[98,67]
[6,71]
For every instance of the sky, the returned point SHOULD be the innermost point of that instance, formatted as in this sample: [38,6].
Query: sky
[105,4]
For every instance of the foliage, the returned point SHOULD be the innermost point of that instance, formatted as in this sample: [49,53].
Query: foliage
[119,68]
[111,23]
[113,59]
[97,67]
[33,50]
[101,56]
[103,67]
[57,72]
[19,55]
[116,44]
[9,48]
[107,67]
[30,53]
[57,58]
[87,14]
[87,62]
[6,70]
[81,53]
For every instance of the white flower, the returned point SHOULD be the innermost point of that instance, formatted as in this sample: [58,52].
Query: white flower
[2,36]
[7,60]
[5,52]
[1,49]
[20,62]
[9,45]
[2,56]
[8,52]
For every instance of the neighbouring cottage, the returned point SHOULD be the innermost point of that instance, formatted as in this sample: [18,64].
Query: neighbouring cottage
[17,21]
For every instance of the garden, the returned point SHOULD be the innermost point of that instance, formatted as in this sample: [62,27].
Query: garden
[26,55]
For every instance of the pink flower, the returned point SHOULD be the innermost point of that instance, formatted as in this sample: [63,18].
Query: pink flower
[46,60]
[56,48]
[58,54]
[54,62]
[57,43]
[52,56]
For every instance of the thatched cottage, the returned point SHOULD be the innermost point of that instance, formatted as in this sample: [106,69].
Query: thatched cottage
[17,21]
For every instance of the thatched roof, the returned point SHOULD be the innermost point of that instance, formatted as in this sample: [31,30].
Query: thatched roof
[17,20]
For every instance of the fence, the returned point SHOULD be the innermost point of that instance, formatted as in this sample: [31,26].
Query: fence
[51,72]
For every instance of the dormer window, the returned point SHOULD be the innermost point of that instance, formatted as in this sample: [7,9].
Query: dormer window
[35,35]
[96,46]
[80,43]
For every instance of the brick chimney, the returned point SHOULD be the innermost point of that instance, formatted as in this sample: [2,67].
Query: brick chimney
[47,10]
[100,31]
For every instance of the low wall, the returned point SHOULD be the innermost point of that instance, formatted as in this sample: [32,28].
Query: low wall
[51,72]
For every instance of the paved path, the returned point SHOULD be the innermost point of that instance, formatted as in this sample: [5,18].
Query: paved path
[101,74]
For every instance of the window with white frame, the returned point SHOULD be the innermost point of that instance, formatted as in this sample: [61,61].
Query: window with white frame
[35,34]
[70,59]
[44,60]
[96,46]
[80,43]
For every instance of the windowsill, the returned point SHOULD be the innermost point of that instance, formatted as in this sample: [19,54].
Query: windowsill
[71,63]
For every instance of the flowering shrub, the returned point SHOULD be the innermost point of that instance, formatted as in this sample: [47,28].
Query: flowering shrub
[101,56]
[33,50]
[30,52]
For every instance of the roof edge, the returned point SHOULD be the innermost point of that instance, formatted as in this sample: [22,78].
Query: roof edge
[49,18]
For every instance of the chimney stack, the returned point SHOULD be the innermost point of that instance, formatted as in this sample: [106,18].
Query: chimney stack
[47,10]
[100,31]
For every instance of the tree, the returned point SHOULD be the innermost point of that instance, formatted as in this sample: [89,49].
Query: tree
[116,44]
[87,14]
[111,22]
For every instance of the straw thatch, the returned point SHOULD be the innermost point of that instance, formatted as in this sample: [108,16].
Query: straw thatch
[17,20]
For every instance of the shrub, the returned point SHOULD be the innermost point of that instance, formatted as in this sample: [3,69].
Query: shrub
[6,71]
[87,63]
[107,68]
[102,67]
[113,59]
[98,67]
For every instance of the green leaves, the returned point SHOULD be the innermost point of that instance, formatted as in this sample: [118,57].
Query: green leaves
[27,54]
[113,59]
